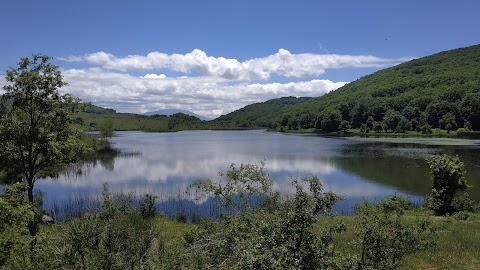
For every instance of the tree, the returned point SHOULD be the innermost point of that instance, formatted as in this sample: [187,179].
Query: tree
[331,120]
[35,132]
[470,108]
[106,129]
[345,126]
[448,122]
[403,125]
[378,126]
[391,120]
[447,180]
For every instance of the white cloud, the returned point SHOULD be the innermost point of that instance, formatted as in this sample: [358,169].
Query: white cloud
[3,82]
[154,76]
[208,96]
[209,86]
[282,63]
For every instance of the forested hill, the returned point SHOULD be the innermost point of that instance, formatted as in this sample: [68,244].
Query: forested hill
[259,114]
[438,91]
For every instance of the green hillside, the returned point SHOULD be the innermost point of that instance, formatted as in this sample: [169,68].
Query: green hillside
[259,114]
[94,116]
[438,91]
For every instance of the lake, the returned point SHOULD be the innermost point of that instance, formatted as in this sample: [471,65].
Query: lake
[165,163]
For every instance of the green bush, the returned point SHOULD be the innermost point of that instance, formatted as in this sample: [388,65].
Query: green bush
[385,236]
[279,234]
[15,214]
[117,237]
[447,180]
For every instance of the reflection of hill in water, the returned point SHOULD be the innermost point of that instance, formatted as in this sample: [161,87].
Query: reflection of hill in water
[403,166]
[406,175]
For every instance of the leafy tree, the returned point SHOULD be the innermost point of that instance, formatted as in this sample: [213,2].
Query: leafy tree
[448,122]
[426,129]
[364,128]
[404,125]
[436,111]
[391,120]
[447,180]
[378,126]
[467,126]
[293,123]
[369,122]
[331,120]
[106,129]
[410,112]
[35,132]
[345,126]
[470,108]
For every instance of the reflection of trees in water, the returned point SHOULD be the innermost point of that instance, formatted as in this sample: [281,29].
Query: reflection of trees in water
[403,165]
[104,157]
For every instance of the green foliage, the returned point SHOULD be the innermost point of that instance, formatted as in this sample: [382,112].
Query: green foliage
[378,126]
[345,126]
[331,120]
[117,237]
[428,87]
[15,215]
[263,114]
[36,134]
[147,206]
[238,187]
[448,122]
[385,237]
[277,237]
[448,179]
[392,119]
[106,129]
[98,110]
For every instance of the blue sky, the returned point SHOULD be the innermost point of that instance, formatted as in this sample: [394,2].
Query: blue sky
[212,57]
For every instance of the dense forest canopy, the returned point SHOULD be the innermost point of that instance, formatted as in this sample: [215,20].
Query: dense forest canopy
[438,91]
[259,114]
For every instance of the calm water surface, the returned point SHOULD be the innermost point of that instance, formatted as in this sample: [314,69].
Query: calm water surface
[165,163]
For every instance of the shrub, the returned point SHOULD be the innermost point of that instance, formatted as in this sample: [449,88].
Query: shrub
[385,236]
[147,206]
[447,180]
[117,237]
[279,235]
[15,214]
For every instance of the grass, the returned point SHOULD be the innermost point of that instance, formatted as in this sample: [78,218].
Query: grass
[458,245]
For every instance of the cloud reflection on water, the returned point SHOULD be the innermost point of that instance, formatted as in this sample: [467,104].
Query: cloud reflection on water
[170,161]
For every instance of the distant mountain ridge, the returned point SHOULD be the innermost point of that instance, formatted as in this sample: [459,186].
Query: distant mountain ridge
[260,114]
[169,112]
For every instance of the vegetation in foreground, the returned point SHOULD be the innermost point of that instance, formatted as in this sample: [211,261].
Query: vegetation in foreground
[257,229]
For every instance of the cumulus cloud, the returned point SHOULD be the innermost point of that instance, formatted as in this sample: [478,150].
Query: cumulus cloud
[282,63]
[208,96]
[206,85]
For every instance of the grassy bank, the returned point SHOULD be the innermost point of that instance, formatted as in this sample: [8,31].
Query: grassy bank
[458,243]
[436,133]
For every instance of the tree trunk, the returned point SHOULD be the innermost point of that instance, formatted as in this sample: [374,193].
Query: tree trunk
[32,225]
